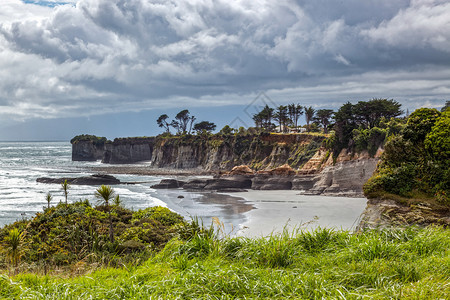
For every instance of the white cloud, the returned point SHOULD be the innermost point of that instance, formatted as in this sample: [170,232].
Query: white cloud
[425,23]
[85,58]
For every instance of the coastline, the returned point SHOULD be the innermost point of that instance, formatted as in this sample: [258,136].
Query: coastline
[278,210]
[256,212]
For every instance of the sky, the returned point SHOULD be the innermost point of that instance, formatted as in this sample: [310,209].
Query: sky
[111,67]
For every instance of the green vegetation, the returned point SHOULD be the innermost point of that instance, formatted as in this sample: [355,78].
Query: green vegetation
[416,160]
[98,141]
[204,127]
[324,264]
[65,235]
[363,126]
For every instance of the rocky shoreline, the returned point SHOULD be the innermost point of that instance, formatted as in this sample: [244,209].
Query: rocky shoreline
[344,179]
[382,213]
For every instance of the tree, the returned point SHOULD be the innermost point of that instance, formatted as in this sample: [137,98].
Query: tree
[226,130]
[13,248]
[446,106]
[204,126]
[65,187]
[264,118]
[323,117]
[344,125]
[106,193]
[419,124]
[48,198]
[258,119]
[295,111]
[192,120]
[281,115]
[309,115]
[437,141]
[162,122]
[182,120]
[117,201]
[369,113]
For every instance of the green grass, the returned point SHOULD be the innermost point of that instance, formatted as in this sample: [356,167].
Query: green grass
[407,263]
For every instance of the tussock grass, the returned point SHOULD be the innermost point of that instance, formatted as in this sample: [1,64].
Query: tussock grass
[409,263]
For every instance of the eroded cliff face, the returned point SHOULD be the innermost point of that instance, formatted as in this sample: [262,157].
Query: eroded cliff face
[346,176]
[208,153]
[125,151]
[87,151]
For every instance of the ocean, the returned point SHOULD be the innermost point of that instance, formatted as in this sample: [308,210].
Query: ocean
[21,163]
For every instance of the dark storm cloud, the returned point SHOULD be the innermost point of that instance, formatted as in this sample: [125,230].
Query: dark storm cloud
[99,56]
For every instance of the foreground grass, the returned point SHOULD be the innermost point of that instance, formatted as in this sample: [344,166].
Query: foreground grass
[401,264]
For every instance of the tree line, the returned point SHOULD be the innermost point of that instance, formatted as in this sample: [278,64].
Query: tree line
[365,113]
[184,123]
[287,117]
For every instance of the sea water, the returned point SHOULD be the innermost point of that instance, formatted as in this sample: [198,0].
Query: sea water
[21,163]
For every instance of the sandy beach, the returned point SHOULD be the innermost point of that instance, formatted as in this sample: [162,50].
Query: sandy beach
[256,212]
[275,210]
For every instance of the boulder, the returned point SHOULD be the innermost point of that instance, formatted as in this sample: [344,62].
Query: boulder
[284,170]
[305,182]
[196,184]
[169,184]
[241,170]
[267,182]
[97,179]
[234,182]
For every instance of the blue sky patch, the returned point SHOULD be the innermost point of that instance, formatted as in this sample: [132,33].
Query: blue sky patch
[45,3]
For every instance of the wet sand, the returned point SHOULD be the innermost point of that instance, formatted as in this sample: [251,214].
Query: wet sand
[229,209]
[275,210]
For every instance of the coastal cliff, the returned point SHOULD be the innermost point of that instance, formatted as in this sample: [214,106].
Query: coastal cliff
[211,153]
[308,166]
[346,176]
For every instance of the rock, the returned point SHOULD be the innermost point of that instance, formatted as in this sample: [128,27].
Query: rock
[196,184]
[97,179]
[239,182]
[169,184]
[315,164]
[241,170]
[268,182]
[305,182]
[346,178]
[285,170]
[87,151]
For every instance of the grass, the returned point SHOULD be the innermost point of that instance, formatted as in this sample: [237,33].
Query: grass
[407,263]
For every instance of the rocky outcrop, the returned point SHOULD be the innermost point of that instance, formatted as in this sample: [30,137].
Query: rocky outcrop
[196,184]
[97,179]
[381,213]
[304,182]
[87,150]
[345,178]
[234,182]
[125,151]
[241,170]
[169,184]
[269,182]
